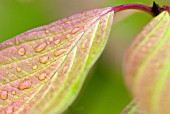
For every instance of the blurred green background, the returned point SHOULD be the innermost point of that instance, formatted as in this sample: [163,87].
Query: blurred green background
[104,91]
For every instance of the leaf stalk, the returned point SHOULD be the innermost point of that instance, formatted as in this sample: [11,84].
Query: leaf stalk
[154,10]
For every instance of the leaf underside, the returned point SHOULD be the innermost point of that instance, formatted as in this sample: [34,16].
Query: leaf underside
[42,70]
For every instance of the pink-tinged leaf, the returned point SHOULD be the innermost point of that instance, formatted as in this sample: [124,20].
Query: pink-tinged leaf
[42,70]
[147,66]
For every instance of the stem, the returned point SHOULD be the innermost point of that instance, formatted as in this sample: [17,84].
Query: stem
[154,10]
[133,6]
[166,8]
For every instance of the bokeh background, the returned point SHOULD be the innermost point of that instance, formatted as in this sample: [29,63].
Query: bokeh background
[104,91]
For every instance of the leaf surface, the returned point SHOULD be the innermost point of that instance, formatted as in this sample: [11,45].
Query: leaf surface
[42,70]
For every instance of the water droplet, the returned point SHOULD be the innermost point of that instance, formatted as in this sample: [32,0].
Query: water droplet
[9,59]
[43,59]
[34,67]
[18,69]
[40,47]
[13,92]
[61,27]
[65,69]
[149,44]
[67,36]
[25,84]
[42,76]
[27,62]
[10,66]
[52,59]
[68,22]
[75,30]
[84,44]
[21,51]
[57,42]
[16,41]
[51,39]
[47,32]
[48,43]
[6,43]
[52,67]
[6,80]
[59,52]
[9,110]
[4,95]
[143,49]
[6,73]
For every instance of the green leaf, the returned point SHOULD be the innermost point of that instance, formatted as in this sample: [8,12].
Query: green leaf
[134,108]
[147,66]
[42,70]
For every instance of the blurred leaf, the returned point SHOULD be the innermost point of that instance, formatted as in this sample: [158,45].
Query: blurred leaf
[147,66]
[133,108]
[42,70]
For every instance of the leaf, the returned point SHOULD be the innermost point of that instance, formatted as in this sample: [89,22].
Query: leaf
[42,70]
[147,66]
[134,108]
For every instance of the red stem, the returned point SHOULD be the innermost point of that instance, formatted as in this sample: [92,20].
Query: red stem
[133,6]
[165,8]
[154,10]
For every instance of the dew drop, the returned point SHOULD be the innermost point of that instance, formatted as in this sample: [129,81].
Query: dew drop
[67,36]
[6,80]
[4,95]
[84,44]
[61,27]
[16,41]
[10,66]
[6,73]
[57,42]
[40,47]
[9,59]
[143,49]
[47,32]
[21,51]
[6,43]
[75,30]
[51,39]
[18,69]
[34,67]
[9,110]
[52,59]
[42,76]
[43,59]
[48,43]
[52,67]
[13,92]
[27,62]
[65,69]
[149,44]
[59,52]
[25,84]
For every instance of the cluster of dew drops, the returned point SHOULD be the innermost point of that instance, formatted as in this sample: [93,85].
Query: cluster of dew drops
[26,84]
